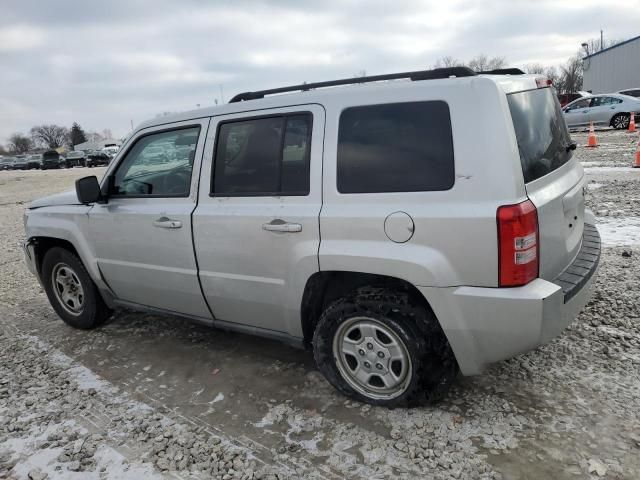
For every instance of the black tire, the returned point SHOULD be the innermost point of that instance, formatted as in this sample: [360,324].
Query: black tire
[620,121]
[94,312]
[433,364]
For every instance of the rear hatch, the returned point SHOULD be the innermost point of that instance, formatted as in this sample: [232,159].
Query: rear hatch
[553,181]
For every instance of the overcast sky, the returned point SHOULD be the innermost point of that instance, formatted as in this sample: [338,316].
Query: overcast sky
[106,63]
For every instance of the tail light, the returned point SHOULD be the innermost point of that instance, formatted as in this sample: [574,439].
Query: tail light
[518,247]
[542,82]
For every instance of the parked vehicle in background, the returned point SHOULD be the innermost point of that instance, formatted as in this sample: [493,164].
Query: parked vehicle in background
[50,159]
[155,154]
[566,98]
[20,163]
[76,158]
[632,92]
[97,158]
[111,150]
[6,163]
[355,221]
[34,161]
[610,110]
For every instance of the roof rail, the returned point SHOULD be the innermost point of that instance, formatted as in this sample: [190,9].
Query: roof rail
[503,71]
[414,76]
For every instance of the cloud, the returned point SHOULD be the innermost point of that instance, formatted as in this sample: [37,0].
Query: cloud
[104,64]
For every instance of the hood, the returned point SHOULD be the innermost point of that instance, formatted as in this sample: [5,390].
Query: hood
[65,198]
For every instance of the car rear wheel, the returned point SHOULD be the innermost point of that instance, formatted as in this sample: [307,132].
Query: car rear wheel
[384,347]
[621,121]
[70,290]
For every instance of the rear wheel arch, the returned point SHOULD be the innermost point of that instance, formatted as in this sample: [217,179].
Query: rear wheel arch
[323,288]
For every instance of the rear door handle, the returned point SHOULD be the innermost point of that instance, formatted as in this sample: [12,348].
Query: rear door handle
[165,222]
[282,226]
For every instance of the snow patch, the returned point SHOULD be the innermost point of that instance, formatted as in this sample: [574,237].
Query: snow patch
[616,232]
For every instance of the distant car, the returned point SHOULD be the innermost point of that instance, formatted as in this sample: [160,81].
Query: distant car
[6,163]
[155,154]
[95,159]
[609,110]
[34,161]
[77,158]
[20,163]
[632,92]
[50,159]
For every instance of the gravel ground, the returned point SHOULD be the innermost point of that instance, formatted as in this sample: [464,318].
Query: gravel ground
[152,397]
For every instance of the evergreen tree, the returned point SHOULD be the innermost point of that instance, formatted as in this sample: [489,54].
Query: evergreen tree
[77,134]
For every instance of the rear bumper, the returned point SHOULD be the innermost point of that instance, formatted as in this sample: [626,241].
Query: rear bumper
[486,325]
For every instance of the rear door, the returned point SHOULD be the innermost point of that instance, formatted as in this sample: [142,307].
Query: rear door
[256,229]
[553,178]
[602,109]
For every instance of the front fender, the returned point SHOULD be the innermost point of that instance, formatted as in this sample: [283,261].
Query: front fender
[69,223]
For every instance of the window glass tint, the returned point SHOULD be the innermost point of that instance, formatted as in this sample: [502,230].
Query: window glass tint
[399,147]
[158,165]
[541,132]
[263,156]
[580,104]
[631,93]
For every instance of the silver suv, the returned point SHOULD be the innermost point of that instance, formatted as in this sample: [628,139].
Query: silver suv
[404,229]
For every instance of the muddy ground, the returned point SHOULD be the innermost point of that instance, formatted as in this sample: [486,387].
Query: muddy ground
[152,397]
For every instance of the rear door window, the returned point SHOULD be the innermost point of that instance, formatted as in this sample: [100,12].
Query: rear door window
[543,138]
[397,147]
[264,156]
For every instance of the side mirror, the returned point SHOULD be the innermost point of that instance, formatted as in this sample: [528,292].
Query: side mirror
[88,190]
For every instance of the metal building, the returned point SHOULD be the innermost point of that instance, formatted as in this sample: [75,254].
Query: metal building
[614,68]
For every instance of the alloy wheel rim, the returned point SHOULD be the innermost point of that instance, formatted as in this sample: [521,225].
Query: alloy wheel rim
[622,122]
[68,288]
[372,358]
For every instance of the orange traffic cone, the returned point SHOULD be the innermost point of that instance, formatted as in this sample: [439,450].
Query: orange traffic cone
[592,141]
[637,164]
[632,122]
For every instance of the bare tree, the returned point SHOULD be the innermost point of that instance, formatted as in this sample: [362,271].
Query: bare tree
[552,74]
[94,137]
[19,143]
[534,68]
[571,75]
[482,63]
[106,133]
[50,136]
[448,62]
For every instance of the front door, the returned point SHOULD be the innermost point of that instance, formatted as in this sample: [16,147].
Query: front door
[256,229]
[577,113]
[142,236]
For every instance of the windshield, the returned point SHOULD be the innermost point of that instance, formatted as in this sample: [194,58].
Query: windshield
[542,134]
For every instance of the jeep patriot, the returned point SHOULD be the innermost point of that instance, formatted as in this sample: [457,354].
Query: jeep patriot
[405,227]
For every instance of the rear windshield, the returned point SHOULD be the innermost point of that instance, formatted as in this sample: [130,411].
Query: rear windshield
[543,138]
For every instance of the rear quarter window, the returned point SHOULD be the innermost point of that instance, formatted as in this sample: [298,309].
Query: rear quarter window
[541,132]
[398,147]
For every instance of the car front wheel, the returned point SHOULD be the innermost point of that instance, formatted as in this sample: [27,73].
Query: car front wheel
[70,290]
[384,347]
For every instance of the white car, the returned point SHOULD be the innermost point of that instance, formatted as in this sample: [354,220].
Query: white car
[421,224]
[610,110]
[632,92]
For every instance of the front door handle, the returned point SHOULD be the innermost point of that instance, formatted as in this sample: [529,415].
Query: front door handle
[282,226]
[165,222]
